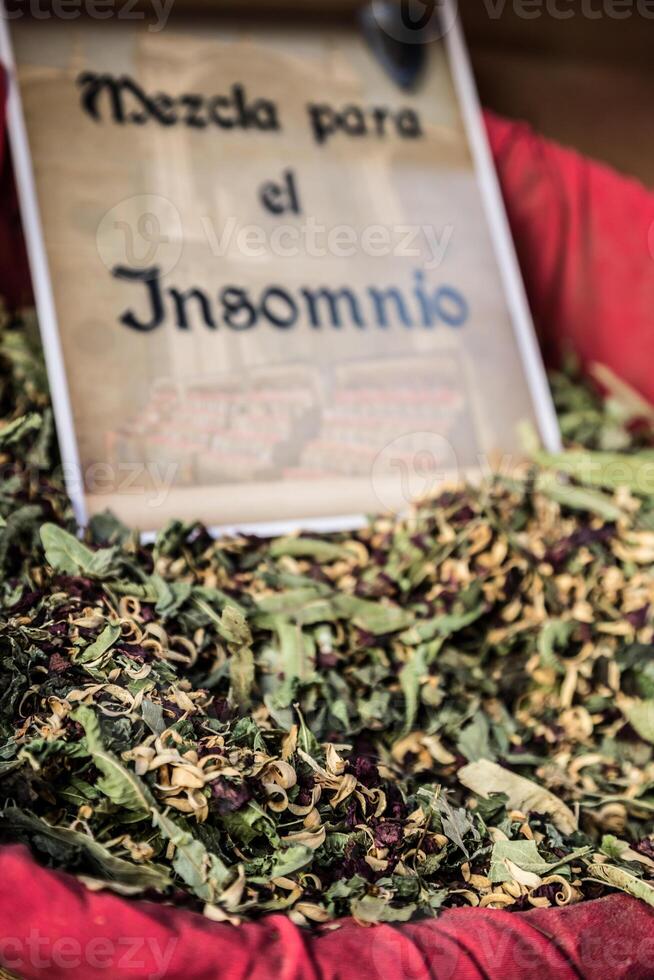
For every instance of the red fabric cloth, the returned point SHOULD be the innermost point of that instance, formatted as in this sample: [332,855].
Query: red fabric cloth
[585,241]
[50,925]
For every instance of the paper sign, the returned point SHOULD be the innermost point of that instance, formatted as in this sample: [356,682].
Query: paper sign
[282,285]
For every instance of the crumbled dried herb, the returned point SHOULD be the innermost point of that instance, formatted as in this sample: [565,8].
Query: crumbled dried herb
[452,708]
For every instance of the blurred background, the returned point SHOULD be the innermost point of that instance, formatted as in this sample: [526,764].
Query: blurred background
[580,71]
[585,82]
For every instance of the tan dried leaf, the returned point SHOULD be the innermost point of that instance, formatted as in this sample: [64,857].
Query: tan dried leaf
[485,777]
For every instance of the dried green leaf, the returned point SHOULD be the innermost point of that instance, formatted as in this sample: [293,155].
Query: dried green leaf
[640,715]
[67,554]
[522,853]
[121,786]
[484,777]
[102,645]
[622,880]
[204,872]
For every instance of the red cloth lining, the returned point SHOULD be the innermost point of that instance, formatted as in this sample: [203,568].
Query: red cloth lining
[65,931]
[585,241]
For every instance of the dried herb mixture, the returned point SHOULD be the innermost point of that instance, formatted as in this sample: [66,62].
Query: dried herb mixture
[452,708]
